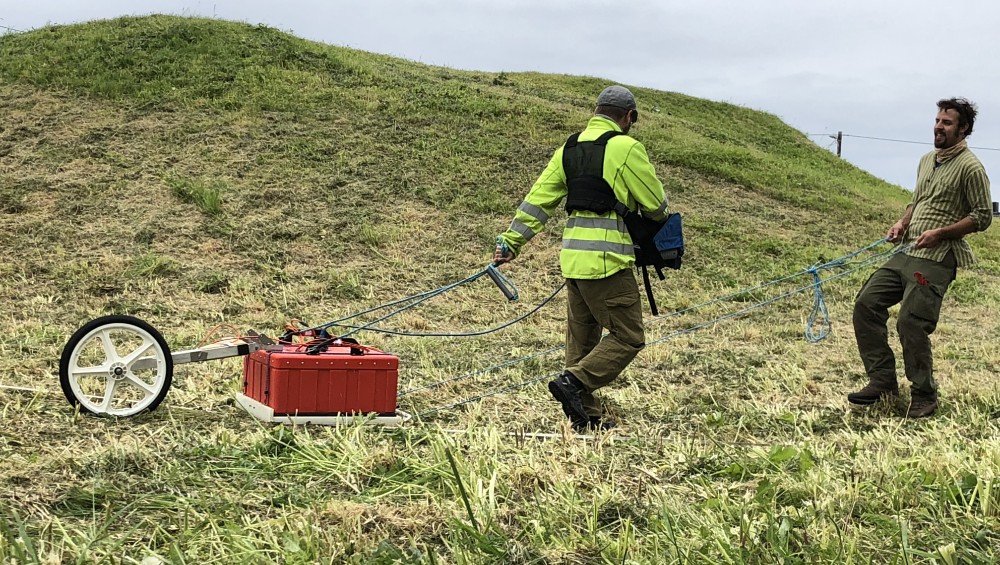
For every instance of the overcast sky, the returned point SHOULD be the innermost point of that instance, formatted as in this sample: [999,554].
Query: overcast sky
[868,68]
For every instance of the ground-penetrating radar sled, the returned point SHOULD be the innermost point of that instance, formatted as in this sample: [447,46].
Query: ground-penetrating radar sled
[121,366]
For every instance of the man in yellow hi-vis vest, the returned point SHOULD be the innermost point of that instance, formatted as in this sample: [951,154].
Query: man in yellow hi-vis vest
[599,163]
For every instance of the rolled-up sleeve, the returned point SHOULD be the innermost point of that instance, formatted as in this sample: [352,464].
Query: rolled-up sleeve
[977,194]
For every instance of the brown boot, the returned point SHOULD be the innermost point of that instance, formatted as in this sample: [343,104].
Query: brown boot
[922,406]
[873,392]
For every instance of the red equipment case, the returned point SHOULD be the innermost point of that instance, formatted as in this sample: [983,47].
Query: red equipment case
[335,381]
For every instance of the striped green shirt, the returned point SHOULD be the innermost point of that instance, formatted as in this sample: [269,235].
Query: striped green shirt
[945,194]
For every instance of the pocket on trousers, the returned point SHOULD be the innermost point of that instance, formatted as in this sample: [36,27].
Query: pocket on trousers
[926,302]
[625,318]
[621,301]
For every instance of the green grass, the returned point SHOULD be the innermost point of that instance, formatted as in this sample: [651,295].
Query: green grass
[196,172]
[207,196]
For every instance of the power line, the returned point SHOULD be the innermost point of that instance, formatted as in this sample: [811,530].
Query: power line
[897,140]
[887,139]
[917,142]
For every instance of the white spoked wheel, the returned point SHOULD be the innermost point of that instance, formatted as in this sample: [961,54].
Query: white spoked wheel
[116,366]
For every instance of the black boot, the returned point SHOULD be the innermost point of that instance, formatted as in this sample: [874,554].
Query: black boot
[566,389]
[593,424]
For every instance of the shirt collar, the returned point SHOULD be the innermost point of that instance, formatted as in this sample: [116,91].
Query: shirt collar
[603,122]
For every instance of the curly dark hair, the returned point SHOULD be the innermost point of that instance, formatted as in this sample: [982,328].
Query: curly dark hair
[966,109]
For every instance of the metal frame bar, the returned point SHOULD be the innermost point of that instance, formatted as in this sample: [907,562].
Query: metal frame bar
[224,349]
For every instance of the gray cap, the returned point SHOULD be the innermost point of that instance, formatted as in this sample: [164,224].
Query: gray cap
[618,96]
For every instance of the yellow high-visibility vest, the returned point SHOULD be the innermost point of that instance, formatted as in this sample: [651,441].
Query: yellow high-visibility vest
[594,245]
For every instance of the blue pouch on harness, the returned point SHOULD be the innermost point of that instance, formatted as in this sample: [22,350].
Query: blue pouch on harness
[663,250]
[658,244]
[669,241]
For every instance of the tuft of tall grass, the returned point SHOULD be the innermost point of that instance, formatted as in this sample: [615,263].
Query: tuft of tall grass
[205,195]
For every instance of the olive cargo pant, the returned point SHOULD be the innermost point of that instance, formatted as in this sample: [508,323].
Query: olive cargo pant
[611,303]
[918,286]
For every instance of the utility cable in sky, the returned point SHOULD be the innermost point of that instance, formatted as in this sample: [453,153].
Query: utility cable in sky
[9,28]
[899,140]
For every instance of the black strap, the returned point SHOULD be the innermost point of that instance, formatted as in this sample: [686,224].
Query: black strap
[574,139]
[583,165]
[603,140]
[649,291]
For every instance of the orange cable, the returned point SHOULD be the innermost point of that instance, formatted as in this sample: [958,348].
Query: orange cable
[211,332]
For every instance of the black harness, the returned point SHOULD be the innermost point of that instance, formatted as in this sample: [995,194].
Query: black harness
[583,163]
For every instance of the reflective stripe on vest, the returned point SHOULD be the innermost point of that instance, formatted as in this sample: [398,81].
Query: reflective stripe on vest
[609,224]
[600,246]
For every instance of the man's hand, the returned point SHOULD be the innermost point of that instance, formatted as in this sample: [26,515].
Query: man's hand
[929,238]
[895,233]
[502,254]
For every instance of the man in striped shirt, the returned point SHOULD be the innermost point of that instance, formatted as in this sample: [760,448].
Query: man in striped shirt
[951,199]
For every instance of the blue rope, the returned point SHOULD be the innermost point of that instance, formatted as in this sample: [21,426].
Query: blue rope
[819,308]
[818,331]
[858,265]
[841,261]
[459,334]
[503,282]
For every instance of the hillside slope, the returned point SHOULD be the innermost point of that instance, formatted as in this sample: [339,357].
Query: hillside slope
[336,167]
[194,172]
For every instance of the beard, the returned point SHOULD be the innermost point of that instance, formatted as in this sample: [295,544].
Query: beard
[943,141]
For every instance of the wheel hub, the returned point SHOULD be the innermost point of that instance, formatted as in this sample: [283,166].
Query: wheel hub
[118,371]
